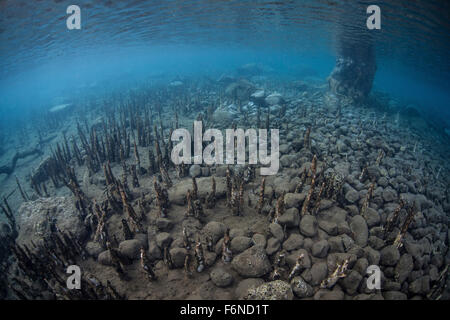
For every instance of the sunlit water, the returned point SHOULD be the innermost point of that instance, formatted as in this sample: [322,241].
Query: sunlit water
[41,59]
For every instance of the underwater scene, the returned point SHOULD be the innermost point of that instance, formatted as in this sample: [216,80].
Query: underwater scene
[224,150]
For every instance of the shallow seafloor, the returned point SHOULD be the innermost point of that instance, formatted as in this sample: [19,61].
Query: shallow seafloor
[414,168]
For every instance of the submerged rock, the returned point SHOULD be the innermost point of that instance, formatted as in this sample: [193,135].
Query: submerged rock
[35,219]
[221,278]
[275,290]
[253,262]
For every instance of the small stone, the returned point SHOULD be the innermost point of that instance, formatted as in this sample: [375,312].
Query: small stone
[240,243]
[319,272]
[130,248]
[143,240]
[273,245]
[308,226]
[293,200]
[352,196]
[178,256]
[389,256]
[372,217]
[359,228]
[404,267]
[329,227]
[104,258]
[153,250]
[93,249]
[301,288]
[253,262]
[351,282]
[320,249]
[389,195]
[221,278]
[275,290]
[259,240]
[290,218]
[277,231]
[215,229]
[294,242]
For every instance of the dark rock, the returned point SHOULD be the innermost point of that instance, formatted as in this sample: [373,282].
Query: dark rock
[320,249]
[130,248]
[93,249]
[372,217]
[294,200]
[352,196]
[319,272]
[308,226]
[215,229]
[273,245]
[351,282]
[253,262]
[359,228]
[221,278]
[240,243]
[277,231]
[295,241]
[178,256]
[275,290]
[104,258]
[389,256]
[259,240]
[404,267]
[301,288]
[154,251]
[329,227]
[336,244]
[290,218]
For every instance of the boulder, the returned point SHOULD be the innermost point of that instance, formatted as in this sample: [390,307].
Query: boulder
[320,249]
[404,267]
[35,218]
[178,256]
[276,231]
[290,218]
[215,229]
[93,249]
[273,245]
[240,243]
[275,290]
[294,242]
[130,249]
[221,278]
[293,200]
[389,256]
[163,239]
[308,226]
[252,263]
[360,230]
[301,288]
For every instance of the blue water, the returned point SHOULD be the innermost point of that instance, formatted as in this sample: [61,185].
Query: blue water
[126,41]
